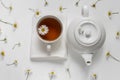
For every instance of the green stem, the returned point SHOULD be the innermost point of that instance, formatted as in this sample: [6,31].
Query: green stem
[27,76]
[14,46]
[31,9]
[51,77]
[5,22]
[18,44]
[4,5]
[78,1]
[5,40]
[1,40]
[115,58]
[97,1]
[68,71]
[45,0]
[94,78]
[64,8]
[10,64]
[107,57]
[115,13]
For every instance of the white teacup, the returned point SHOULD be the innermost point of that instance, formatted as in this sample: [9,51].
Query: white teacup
[49,29]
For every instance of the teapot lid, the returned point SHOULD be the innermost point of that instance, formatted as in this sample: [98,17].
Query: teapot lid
[87,33]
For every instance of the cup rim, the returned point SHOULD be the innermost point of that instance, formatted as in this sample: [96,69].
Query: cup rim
[54,17]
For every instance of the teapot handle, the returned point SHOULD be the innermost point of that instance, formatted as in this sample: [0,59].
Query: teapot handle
[85,11]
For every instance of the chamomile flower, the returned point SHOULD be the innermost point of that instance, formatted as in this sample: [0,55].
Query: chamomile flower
[14,25]
[61,8]
[10,8]
[68,71]
[111,13]
[93,76]
[4,40]
[108,55]
[36,11]
[52,75]
[15,62]
[94,4]
[17,44]
[43,30]
[28,72]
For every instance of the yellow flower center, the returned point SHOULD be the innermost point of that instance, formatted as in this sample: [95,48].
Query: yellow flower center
[52,73]
[3,53]
[94,75]
[37,12]
[109,13]
[15,25]
[28,71]
[46,3]
[60,8]
[94,5]
[117,33]
[10,8]
[43,29]
[108,54]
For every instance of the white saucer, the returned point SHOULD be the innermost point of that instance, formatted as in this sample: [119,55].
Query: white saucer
[37,50]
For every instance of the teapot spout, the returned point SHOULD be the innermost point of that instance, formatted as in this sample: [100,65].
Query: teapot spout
[87,58]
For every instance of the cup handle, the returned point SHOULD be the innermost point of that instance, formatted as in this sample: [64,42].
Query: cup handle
[85,11]
[48,47]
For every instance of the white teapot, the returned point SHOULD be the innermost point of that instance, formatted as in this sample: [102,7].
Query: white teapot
[86,35]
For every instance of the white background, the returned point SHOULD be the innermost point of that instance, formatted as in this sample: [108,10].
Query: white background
[105,70]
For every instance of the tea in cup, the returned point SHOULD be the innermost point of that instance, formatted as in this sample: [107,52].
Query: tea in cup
[49,29]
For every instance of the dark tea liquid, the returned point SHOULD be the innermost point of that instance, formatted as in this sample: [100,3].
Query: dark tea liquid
[54,27]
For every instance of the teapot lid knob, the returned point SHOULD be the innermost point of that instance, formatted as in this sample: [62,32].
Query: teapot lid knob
[85,11]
